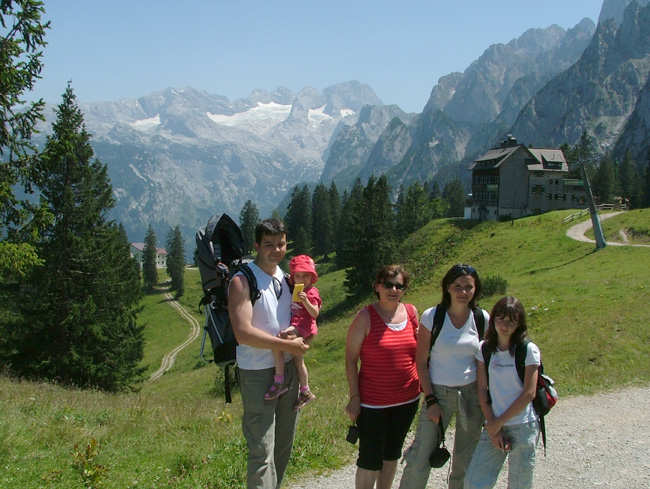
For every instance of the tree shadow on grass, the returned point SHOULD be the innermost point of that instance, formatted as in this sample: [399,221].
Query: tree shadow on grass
[561,265]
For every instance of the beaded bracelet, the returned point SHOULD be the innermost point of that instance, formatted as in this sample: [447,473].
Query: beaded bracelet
[430,400]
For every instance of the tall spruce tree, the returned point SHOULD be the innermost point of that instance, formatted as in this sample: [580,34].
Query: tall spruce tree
[249,217]
[77,318]
[176,261]
[149,254]
[335,213]
[374,246]
[631,188]
[454,194]
[605,180]
[349,226]
[413,210]
[298,220]
[322,223]
[22,39]
[646,184]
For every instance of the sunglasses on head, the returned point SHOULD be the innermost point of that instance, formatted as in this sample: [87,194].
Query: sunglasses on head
[465,269]
[389,285]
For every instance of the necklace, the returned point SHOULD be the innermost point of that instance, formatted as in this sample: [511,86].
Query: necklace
[389,316]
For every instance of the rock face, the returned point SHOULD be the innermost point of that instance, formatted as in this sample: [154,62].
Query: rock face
[600,93]
[469,111]
[180,155]
[351,145]
[614,9]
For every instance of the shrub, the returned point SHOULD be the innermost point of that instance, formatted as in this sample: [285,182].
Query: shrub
[494,284]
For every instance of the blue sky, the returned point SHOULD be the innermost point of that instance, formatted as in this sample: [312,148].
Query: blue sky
[127,49]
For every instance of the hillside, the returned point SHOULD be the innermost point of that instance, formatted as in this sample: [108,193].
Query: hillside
[178,433]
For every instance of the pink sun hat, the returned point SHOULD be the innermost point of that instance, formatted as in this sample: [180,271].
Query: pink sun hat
[303,263]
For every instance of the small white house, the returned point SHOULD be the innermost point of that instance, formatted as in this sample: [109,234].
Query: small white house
[137,252]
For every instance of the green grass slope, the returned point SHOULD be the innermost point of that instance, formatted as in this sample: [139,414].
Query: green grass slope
[587,313]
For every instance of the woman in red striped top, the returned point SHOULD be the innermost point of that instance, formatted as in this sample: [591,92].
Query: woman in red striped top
[384,391]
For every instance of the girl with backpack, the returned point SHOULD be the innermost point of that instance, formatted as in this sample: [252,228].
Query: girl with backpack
[511,425]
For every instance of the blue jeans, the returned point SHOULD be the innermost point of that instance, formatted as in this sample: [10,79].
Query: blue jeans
[463,402]
[269,426]
[487,461]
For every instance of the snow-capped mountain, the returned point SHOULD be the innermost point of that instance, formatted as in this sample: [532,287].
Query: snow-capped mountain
[178,156]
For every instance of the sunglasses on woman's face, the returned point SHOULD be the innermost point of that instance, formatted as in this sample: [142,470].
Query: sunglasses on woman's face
[389,285]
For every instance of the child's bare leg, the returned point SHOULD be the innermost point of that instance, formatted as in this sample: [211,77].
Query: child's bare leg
[277,388]
[305,396]
[278,360]
[301,368]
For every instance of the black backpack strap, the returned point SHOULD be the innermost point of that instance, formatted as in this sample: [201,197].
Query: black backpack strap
[226,383]
[438,320]
[252,283]
[521,350]
[520,358]
[479,321]
[542,429]
[487,355]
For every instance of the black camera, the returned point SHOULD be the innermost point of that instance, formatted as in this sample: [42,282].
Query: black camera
[353,434]
[439,457]
[440,454]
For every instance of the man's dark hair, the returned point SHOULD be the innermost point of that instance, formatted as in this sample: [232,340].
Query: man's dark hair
[270,227]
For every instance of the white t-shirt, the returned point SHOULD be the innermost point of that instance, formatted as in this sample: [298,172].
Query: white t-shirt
[270,314]
[452,356]
[505,384]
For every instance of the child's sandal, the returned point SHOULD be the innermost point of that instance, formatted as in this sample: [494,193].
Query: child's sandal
[275,390]
[304,398]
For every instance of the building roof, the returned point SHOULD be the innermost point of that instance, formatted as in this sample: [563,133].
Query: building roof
[542,159]
[493,158]
[548,159]
[140,247]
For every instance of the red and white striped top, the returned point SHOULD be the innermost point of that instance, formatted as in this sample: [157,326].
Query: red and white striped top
[388,375]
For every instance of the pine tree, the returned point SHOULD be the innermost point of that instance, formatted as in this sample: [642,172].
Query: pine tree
[149,254]
[413,210]
[77,318]
[176,261]
[583,153]
[646,184]
[631,187]
[22,39]
[454,194]
[349,226]
[298,220]
[322,223]
[374,245]
[604,183]
[249,217]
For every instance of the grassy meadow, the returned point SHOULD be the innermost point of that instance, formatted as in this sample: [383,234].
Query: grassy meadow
[587,314]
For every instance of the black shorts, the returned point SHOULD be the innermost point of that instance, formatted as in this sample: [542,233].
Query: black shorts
[382,432]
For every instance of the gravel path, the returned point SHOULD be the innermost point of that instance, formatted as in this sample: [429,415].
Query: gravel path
[600,441]
[578,231]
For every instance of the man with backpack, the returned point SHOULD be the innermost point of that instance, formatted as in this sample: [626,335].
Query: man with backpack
[268,426]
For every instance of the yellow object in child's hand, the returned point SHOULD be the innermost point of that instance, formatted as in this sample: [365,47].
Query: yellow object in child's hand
[297,289]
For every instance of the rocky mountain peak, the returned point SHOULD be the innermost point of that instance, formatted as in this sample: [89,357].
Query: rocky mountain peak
[615,9]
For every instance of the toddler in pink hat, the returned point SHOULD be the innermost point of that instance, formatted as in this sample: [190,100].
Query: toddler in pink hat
[304,311]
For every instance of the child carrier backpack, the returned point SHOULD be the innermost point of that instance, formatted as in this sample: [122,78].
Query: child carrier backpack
[545,394]
[220,249]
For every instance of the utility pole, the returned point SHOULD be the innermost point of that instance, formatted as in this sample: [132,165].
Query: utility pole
[595,220]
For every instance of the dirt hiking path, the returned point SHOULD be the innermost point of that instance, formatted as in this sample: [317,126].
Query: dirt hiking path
[594,442]
[169,358]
